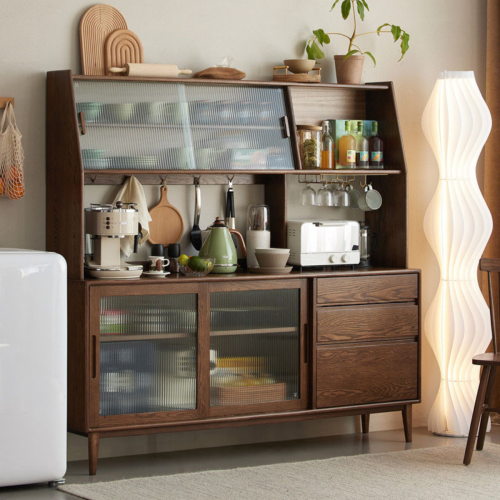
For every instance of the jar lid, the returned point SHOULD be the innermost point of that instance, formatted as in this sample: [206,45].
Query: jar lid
[309,127]
[174,250]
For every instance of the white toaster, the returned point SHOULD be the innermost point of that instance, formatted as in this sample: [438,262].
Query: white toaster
[323,242]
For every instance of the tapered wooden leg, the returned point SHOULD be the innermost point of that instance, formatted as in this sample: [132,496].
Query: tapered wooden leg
[476,415]
[486,415]
[365,423]
[93,452]
[408,423]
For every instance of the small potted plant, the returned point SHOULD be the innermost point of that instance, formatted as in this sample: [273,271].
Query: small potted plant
[349,67]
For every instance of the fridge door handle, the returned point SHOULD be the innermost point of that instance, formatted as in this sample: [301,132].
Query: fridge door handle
[94,357]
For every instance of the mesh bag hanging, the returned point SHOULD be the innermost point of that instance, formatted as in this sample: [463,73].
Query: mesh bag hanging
[11,157]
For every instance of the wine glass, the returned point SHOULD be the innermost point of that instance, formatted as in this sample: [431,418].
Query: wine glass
[308,196]
[341,197]
[325,197]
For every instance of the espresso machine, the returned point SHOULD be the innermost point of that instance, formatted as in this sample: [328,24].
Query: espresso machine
[105,226]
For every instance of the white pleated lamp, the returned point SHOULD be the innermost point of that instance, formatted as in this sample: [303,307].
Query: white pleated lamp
[458,224]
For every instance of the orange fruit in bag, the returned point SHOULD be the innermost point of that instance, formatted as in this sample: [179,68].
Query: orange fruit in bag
[16,190]
[2,186]
[15,173]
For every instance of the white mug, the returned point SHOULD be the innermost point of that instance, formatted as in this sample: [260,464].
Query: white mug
[157,264]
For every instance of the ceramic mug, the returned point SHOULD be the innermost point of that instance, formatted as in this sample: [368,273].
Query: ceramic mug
[157,264]
[370,199]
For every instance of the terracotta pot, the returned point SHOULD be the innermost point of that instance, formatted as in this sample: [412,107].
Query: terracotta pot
[350,70]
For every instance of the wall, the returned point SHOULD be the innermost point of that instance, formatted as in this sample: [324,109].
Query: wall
[41,36]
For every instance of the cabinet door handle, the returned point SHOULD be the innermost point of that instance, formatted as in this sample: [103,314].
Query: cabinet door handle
[82,121]
[306,344]
[285,127]
[94,357]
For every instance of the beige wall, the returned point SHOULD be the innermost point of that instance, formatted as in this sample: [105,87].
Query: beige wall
[39,36]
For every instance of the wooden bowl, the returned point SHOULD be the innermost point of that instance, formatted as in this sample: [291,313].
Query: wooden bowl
[300,65]
[272,257]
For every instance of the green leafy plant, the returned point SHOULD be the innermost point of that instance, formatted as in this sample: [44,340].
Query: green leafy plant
[347,6]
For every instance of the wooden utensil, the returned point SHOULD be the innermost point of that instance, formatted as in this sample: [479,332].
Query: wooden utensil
[122,47]
[167,225]
[151,70]
[95,25]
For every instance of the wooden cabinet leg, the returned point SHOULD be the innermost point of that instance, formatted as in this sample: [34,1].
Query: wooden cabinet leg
[476,415]
[93,452]
[407,423]
[486,415]
[365,423]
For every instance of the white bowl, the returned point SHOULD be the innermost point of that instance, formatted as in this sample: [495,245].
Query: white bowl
[272,257]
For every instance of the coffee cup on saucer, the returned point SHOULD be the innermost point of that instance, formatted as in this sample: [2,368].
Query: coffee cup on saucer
[157,264]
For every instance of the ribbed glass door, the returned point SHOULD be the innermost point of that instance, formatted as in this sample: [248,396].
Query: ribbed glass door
[147,353]
[254,347]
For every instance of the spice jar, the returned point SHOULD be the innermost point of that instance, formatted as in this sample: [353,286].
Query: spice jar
[174,252]
[309,137]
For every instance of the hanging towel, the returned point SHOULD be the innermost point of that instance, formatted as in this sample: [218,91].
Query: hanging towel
[133,192]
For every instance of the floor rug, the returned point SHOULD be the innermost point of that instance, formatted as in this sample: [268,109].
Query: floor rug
[428,473]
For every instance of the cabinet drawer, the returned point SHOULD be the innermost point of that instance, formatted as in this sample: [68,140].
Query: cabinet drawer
[358,375]
[367,323]
[367,289]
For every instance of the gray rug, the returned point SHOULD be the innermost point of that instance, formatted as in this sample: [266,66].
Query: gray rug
[429,473]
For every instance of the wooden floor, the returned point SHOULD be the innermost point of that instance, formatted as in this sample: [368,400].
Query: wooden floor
[237,456]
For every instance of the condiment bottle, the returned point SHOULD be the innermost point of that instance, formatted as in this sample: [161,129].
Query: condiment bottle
[376,148]
[361,147]
[327,148]
[347,149]
[174,252]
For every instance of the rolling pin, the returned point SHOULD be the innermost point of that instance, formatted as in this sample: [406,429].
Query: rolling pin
[151,70]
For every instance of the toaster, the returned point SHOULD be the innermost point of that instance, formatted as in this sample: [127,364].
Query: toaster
[323,242]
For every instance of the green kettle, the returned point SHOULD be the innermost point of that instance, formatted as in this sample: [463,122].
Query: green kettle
[219,246]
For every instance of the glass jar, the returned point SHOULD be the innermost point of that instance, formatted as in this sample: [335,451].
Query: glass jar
[309,138]
[258,232]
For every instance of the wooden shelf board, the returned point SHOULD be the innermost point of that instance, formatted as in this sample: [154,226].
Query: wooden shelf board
[256,331]
[120,337]
[181,127]
[231,82]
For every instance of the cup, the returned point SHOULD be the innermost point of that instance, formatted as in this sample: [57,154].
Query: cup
[157,264]
[370,199]
[354,195]
[340,197]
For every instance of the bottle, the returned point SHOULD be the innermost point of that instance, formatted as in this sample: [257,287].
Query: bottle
[347,149]
[174,252]
[327,148]
[361,148]
[376,148]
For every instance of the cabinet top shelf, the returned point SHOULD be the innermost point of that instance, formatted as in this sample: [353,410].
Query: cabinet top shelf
[366,86]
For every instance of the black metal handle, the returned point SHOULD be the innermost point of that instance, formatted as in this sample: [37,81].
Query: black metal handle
[82,121]
[94,356]
[306,343]
[285,127]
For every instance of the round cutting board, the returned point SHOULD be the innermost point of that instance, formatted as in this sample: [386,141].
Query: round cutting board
[167,225]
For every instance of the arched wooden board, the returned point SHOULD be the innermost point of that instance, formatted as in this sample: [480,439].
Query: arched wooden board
[167,225]
[95,26]
[121,47]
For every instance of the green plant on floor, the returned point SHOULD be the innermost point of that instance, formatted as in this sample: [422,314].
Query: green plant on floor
[347,6]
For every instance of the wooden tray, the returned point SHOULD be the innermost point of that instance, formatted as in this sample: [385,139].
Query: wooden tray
[233,396]
[95,25]
[296,77]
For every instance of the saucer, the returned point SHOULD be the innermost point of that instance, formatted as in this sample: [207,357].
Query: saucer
[155,274]
[270,270]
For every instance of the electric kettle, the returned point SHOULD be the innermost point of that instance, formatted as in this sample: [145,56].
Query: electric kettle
[220,246]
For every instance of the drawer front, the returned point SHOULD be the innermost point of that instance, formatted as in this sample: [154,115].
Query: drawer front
[367,323]
[367,289]
[358,375]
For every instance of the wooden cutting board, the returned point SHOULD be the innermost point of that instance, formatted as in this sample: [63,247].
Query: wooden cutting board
[167,225]
[95,26]
[122,47]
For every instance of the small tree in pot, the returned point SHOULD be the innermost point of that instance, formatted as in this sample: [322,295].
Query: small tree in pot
[349,67]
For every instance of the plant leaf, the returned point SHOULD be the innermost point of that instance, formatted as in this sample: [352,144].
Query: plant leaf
[361,9]
[346,8]
[366,5]
[371,55]
[405,44]
[313,51]
[396,32]
[350,53]
[321,36]
[380,27]
[334,4]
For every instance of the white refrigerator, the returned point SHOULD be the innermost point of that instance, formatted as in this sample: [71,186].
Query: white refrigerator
[33,324]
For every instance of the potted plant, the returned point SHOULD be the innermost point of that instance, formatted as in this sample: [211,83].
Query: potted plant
[349,67]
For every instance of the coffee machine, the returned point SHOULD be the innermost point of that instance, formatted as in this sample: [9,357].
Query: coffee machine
[105,226]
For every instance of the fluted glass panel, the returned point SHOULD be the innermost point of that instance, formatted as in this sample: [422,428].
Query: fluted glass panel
[148,353]
[458,224]
[155,125]
[254,347]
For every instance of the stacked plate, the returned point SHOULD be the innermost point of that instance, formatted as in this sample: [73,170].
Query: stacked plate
[271,261]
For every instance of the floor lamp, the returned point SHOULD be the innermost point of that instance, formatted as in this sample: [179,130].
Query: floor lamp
[458,224]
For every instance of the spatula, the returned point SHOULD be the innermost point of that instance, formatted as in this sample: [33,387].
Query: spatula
[167,225]
[195,234]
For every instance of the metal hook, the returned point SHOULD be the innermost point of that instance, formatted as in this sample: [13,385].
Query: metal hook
[163,180]
[230,179]
[196,180]
[92,179]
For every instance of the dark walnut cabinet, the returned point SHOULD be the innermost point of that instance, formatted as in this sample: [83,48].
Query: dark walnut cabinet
[184,354]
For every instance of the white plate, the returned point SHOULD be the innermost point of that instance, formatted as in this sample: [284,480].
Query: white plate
[270,270]
[155,274]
